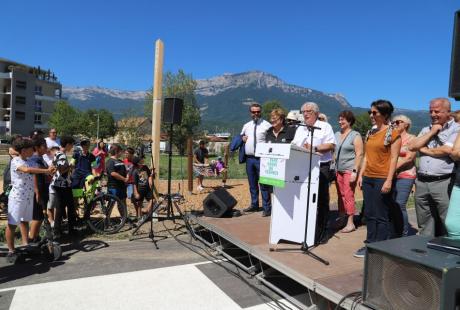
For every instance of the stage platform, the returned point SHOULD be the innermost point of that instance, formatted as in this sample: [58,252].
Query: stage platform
[307,282]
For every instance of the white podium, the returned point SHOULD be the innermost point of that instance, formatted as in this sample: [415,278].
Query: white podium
[286,167]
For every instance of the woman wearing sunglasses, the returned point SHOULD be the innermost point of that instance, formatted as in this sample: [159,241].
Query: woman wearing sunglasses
[405,168]
[382,148]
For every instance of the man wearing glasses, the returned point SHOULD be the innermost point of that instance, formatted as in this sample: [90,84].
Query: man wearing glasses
[254,132]
[323,143]
[52,140]
[435,171]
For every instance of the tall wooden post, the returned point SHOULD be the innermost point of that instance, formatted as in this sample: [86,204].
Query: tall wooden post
[190,164]
[156,109]
[226,152]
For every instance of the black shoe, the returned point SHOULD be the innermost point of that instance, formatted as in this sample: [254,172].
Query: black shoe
[265,213]
[251,209]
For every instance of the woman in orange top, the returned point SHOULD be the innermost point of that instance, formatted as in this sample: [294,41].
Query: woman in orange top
[376,176]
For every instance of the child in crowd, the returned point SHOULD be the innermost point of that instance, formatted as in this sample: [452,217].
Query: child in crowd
[61,184]
[20,200]
[218,167]
[128,161]
[83,162]
[100,151]
[41,187]
[52,202]
[142,186]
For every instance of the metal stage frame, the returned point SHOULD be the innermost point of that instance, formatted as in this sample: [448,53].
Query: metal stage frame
[304,289]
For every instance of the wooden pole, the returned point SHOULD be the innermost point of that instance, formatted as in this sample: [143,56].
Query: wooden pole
[226,152]
[156,109]
[190,164]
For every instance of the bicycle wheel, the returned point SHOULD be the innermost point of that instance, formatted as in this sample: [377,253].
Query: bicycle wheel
[107,214]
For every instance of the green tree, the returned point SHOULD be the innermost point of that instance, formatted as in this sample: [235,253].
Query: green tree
[269,106]
[180,85]
[128,130]
[66,119]
[107,126]
[362,124]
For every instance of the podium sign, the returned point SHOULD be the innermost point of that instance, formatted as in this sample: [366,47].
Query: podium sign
[286,167]
[273,163]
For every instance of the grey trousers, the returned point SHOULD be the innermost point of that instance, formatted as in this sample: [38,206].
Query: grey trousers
[431,204]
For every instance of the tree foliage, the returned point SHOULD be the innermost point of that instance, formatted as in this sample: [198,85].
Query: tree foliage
[362,124]
[180,85]
[66,119]
[269,106]
[70,121]
[107,126]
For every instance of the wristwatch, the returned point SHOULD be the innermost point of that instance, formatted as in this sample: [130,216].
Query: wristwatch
[354,171]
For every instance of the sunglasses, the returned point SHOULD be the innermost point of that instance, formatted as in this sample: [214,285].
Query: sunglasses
[255,112]
[398,122]
[374,113]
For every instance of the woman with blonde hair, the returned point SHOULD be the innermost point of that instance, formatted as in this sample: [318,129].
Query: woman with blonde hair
[405,168]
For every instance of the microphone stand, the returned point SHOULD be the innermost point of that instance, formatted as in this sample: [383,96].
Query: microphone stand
[304,247]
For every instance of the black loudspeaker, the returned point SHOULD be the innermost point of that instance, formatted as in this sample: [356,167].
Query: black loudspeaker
[219,204]
[172,111]
[454,83]
[404,273]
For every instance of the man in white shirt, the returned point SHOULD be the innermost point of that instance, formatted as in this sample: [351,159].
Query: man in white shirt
[253,132]
[52,139]
[323,143]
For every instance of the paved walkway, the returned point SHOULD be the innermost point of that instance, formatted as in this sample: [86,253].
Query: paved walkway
[133,275]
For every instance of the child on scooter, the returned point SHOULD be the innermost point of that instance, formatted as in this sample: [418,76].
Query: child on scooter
[20,199]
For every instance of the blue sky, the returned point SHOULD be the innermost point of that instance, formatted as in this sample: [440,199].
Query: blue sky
[394,49]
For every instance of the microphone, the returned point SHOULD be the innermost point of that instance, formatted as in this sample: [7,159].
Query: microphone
[310,127]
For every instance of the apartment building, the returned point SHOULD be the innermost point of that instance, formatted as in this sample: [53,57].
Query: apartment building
[27,97]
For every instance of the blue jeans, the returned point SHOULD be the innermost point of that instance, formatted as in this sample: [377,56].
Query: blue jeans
[377,209]
[252,170]
[403,188]
[130,190]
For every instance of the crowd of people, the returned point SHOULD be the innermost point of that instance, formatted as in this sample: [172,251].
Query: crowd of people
[42,181]
[382,164]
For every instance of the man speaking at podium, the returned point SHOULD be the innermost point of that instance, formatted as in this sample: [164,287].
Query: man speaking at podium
[323,143]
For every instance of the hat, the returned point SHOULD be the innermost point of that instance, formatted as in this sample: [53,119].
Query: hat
[292,116]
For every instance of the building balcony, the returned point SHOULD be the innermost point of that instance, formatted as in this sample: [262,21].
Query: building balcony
[6,75]
[47,98]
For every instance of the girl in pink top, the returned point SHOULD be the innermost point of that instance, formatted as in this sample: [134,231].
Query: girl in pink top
[100,154]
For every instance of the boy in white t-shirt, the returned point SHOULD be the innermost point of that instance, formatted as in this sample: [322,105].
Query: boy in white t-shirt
[20,199]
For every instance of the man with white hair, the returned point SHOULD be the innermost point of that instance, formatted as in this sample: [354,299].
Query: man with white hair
[436,169]
[323,143]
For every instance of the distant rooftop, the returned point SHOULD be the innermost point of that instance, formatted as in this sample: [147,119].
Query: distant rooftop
[41,74]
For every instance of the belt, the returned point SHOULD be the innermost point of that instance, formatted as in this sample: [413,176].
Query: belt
[432,178]
[251,156]
[327,163]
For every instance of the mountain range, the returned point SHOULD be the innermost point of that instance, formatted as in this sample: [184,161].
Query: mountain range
[223,100]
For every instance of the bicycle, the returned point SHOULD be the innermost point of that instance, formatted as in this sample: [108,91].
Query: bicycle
[103,212]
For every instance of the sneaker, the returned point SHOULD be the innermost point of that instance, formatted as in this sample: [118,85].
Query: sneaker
[199,188]
[360,253]
[266,213]
[11,257]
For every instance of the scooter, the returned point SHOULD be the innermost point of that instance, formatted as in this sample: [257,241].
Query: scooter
[46,247]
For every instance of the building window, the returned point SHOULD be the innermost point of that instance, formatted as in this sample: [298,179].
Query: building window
[38,90]
[19,115]
[21,84]
[38,106]
[38,119]
[20,100]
